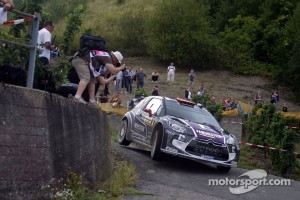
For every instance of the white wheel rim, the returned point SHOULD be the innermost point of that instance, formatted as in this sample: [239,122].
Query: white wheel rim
[122,132]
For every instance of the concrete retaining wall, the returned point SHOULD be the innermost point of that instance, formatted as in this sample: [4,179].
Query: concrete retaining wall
[42,135]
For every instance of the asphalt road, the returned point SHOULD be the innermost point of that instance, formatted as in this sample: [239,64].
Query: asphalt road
[176,178]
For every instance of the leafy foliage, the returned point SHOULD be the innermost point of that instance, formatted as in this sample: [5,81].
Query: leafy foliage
[214,108]
[268,127]
[73,23]
[141,92]
[132,25]
[179,31]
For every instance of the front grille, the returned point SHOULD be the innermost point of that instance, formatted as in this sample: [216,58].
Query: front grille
[207,149]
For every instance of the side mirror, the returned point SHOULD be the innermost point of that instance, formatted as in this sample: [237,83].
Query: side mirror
[149,111]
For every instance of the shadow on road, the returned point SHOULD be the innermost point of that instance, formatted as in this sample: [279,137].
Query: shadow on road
[141,157]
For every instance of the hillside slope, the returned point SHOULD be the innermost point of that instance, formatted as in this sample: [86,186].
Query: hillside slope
[216,82]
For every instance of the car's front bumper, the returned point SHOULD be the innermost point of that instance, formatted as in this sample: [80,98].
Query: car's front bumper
[195,150]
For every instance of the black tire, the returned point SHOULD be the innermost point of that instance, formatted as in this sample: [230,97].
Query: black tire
[122,134]
[223,169]
[156,154]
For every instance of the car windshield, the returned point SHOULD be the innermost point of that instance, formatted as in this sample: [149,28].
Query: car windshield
[175,109]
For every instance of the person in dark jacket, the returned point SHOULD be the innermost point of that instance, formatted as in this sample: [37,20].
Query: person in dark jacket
[140,78]
[155,91]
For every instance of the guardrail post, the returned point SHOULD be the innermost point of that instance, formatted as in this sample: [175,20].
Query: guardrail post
[33,48]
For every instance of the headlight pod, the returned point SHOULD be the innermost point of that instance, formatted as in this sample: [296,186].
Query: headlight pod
[178,128]
[230,140]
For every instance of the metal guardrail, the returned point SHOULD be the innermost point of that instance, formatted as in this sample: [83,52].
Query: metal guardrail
[32,46]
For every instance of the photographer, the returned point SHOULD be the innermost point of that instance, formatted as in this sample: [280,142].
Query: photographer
[95,65]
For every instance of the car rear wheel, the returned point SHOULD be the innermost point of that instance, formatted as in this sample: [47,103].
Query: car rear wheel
[223,169]
[122,134]
[156,154]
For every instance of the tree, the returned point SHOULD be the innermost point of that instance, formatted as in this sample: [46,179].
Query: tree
[179,31]
[73,24]
[132,34]
[238,37]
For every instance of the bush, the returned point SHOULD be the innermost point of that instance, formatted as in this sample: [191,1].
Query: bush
[268,127]
[141,92]
[214,109]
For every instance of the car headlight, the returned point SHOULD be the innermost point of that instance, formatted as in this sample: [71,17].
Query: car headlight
[178,128]
[230,140]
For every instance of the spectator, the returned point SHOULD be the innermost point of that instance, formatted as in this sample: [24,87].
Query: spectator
[284,107]
[171,72]
[134,76]
[116,100]
[118,82]
[223,102]
[44,42]
[126,79]
[131,74]
[258,97]
[200,90]
[123,83]
[191,79]
[274,97]
[213,100]
[80,63]
[54,53]
[101,66]
[155,76]
[232,105]
[228,103]
[140,78]
[188,93]
[155,91]
[8,5]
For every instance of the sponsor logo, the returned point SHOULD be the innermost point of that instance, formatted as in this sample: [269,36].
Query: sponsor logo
[207,134]
[208,149]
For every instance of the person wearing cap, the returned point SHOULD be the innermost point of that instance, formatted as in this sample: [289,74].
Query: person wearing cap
[92,66]
[103,64]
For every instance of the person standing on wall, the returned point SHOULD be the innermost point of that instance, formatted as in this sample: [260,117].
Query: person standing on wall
[84,62]
[171,72]
[44,42]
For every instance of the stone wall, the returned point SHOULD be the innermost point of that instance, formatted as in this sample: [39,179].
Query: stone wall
[43,135]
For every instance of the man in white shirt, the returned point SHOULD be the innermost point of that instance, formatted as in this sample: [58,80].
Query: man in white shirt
[171,72]
[44,42]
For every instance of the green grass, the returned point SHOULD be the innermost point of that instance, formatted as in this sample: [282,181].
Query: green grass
[247,159]
[121,183]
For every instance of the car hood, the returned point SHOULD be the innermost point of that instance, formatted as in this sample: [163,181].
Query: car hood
[204,132]
[207,132]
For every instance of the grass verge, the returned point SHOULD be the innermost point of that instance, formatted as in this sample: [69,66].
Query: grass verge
[252,158]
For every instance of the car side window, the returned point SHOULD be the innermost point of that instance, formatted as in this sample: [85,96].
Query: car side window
[154,105]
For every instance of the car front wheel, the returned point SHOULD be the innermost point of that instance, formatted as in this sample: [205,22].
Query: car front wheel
[122,134]
[156,154]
